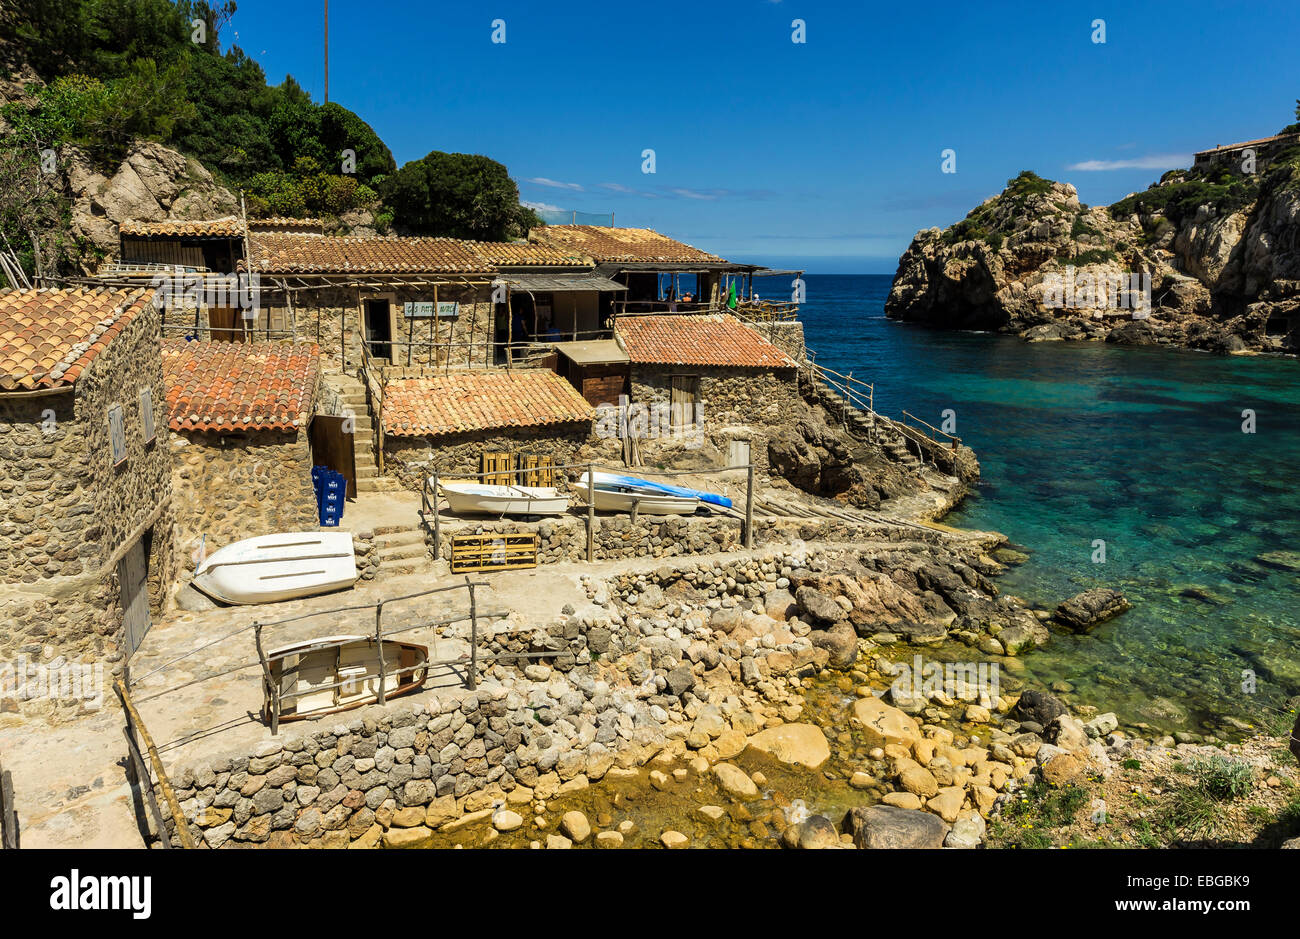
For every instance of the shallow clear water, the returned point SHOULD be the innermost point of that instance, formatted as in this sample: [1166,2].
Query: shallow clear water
[1140,448]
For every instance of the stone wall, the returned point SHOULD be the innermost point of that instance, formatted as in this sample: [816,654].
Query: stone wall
[67,515]
[736,403]
[413,459]
[235,486]
[565,538]
[612,690]
[786,336]
[322,315]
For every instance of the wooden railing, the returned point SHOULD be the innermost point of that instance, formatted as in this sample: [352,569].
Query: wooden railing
[431,519]
[8,812]
[373,381]
[146,782]
[935,433]
[263,660]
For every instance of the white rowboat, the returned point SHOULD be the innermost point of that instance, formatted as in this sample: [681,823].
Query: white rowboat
[279,567]
[614,497]
[481,499]
[335,673]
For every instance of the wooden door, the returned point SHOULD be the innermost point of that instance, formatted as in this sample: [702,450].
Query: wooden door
[227,324]
[685,395]
[133,577]
[333,446]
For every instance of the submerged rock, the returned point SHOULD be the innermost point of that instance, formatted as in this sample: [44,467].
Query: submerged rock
[795,744]
[1086,610]
[884,826]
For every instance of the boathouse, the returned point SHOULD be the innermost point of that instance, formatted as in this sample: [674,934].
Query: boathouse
[86,507]
[718,381]
[238,416]
[446,423]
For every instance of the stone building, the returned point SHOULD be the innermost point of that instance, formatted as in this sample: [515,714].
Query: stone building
[1265,149]
[238,415]
[445,423]
[709,378]
[86,507]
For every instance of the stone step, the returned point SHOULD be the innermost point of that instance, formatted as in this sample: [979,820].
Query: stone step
[401,552]
[402,536]
[397,567]
[377,484]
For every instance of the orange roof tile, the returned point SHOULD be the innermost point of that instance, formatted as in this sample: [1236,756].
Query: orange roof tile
[234,386]
[284,221]
[283,252]
[480,399]
[621,244]
[1247,143]
[227,227]
[48,337]
[713,339]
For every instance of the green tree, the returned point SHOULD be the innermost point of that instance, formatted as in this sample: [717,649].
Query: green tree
[458,195]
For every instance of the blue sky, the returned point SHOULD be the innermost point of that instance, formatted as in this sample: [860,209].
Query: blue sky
[825,154]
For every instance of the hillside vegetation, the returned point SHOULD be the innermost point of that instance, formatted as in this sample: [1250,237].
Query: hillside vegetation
[90,79]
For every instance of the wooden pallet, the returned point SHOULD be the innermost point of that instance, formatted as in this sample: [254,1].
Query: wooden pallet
[500,466]
[536,470]
[493,552]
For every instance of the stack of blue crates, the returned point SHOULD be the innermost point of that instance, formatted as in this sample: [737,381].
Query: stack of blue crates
[331,488]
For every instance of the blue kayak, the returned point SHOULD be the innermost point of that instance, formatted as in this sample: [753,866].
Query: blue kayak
[636,484]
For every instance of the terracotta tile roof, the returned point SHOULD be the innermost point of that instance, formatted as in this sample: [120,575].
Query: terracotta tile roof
[1247,143]
[282,252]
[48,337]
[284,221]
[234,386]
[715,339]
[227,227]
[480,399]
[621,244]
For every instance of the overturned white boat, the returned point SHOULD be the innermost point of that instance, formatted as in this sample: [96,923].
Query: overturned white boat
[617,494]
[279,567]
[482,499]
[336,673]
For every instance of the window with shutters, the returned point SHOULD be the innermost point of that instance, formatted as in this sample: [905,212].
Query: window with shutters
[116,435]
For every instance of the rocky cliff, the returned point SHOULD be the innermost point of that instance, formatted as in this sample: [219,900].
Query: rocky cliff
[1206,259]
[153,183]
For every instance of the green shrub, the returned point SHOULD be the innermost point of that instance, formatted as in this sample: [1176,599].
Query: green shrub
[1221,778]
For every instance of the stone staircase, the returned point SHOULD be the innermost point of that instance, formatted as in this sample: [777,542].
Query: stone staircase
[401,551]
[898,448]
[353,395]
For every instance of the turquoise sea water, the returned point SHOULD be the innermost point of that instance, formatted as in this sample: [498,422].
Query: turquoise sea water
[1140,448]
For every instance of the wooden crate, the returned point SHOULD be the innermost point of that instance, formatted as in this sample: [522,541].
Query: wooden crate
[500,466]
[493,552]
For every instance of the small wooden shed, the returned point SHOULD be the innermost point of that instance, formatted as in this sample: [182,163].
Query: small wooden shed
[599,369]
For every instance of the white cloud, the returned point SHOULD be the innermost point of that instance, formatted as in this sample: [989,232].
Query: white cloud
[545,206]
[554,183]
[1153,162]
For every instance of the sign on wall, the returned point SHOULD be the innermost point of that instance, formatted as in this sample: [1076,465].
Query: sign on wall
[423,309]
[116,435]
[146,413]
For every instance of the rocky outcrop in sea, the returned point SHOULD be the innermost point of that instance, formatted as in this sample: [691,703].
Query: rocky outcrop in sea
[1205,258]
